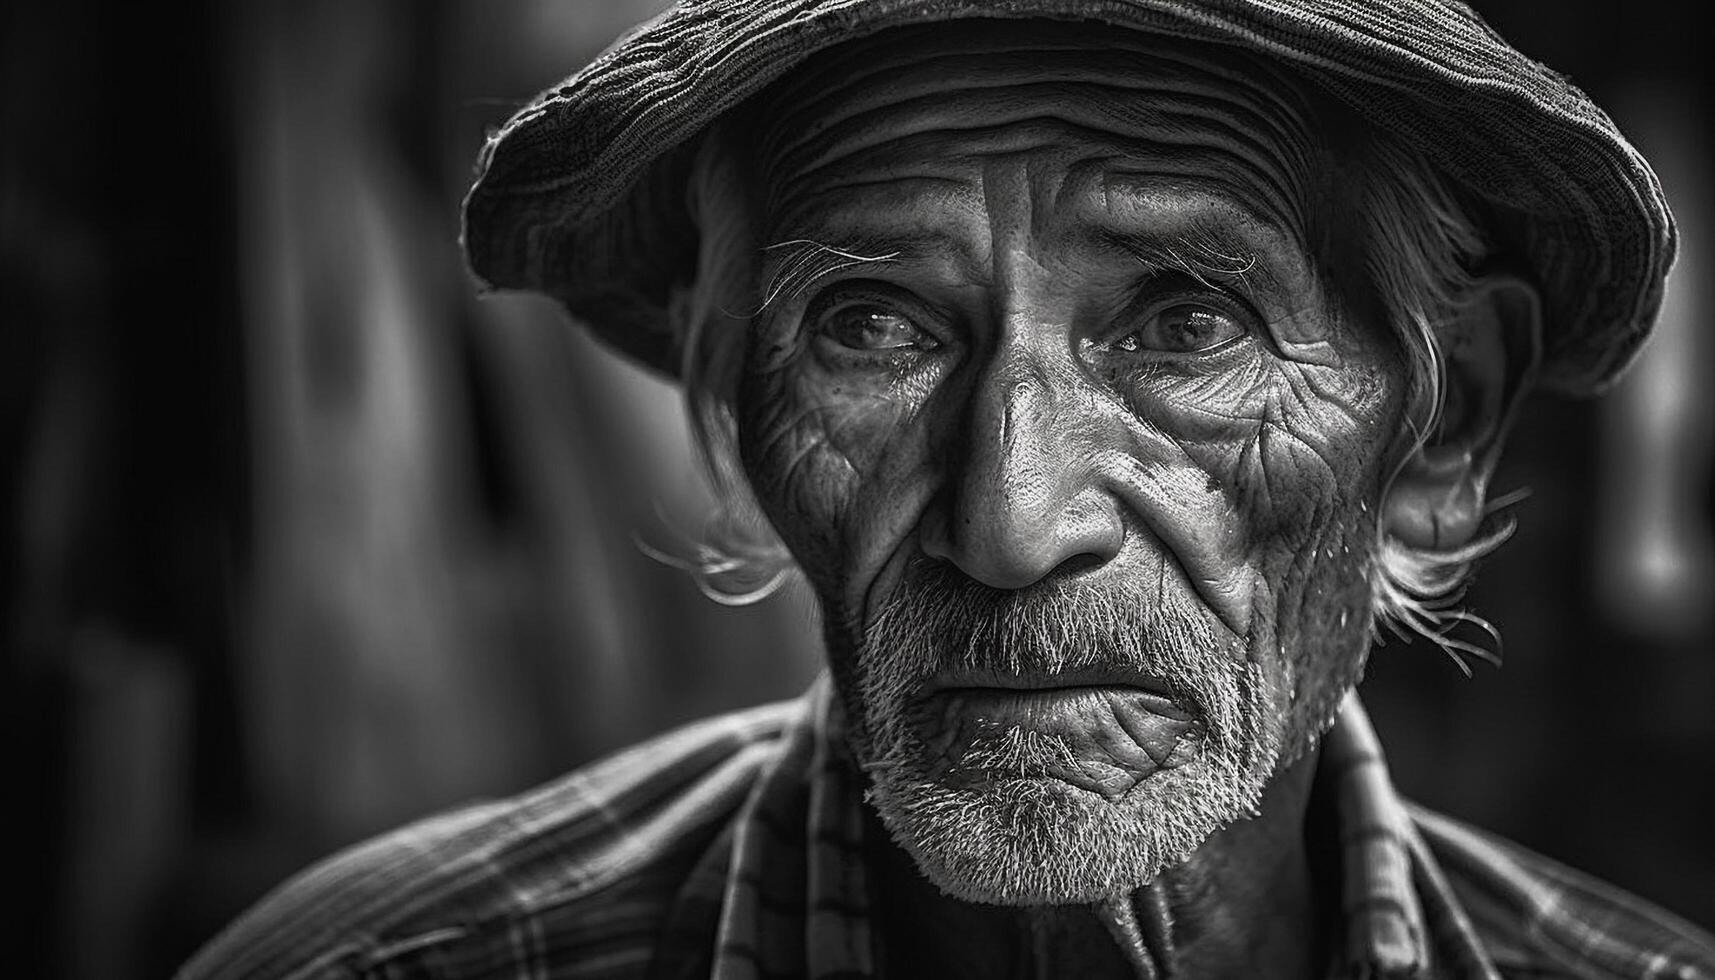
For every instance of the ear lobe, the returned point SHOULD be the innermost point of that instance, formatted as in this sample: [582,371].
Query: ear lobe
[1436,500]
[1490,346]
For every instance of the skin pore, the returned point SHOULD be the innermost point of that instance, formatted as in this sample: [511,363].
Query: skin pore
[1062,400]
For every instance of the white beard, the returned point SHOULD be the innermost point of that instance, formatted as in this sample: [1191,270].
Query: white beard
[1034,839]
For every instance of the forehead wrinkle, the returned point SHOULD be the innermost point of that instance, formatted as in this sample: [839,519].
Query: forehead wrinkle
[1002,115]
[847,99]
[883,202]
[945,168]
[828,102]
[880,185]
[1270,161]
[903,64]
[1276,165]
[1177,203]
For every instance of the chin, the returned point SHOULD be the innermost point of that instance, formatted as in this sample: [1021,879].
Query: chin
[1037,841]
[1034,839]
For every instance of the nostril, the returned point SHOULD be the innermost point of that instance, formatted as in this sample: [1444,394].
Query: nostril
[1078,564]
[934,536]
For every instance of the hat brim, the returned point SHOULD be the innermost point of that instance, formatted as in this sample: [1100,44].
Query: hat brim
[581,194]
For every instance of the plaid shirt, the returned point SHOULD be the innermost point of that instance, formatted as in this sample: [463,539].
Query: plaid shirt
[734,849]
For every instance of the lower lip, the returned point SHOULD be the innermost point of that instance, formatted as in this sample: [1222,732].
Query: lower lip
[1022,706]
[1116,735]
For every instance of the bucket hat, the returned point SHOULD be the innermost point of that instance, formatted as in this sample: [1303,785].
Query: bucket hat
[581,195]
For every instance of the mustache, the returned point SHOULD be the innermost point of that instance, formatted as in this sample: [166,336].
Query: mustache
[939,619]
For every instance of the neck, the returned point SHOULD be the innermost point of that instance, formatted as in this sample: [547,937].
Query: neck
[1243,905]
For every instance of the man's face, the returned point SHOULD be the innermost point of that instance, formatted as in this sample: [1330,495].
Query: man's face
[1056,403]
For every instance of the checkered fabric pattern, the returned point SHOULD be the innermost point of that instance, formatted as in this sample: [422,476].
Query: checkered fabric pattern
[735,849]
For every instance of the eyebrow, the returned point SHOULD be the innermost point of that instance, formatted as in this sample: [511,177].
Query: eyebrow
[807,260]
[798,262]
[1208,232]
[1203,256]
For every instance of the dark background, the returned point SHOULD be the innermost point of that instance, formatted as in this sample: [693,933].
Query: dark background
[302,541]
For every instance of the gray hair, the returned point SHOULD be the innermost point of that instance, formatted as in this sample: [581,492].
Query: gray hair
[1422,243]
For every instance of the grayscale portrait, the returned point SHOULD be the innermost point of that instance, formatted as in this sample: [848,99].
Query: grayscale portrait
[1105,412]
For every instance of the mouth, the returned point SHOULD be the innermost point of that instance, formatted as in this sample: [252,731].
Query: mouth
[997,680]
[1097,731]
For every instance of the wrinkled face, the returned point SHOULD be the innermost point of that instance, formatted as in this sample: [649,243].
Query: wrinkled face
[1058,403]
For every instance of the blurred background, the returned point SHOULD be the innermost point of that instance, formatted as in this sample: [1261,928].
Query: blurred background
[303,541]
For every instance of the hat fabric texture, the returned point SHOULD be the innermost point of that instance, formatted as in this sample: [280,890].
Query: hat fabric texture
[581,195]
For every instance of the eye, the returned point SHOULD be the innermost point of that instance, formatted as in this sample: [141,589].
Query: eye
[868,319]
[1181,328]
[867,326]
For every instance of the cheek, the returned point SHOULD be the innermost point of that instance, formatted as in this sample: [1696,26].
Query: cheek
[825,459]
[1289,445]
[1315,453]
[1312,476]
[1299,453]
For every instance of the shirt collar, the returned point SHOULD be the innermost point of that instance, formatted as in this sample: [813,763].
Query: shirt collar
[798,843]
[1401,917]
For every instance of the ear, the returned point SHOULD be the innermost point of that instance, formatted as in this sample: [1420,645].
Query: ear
[1490,347]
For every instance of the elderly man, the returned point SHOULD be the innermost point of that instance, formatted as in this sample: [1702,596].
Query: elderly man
[1110,369]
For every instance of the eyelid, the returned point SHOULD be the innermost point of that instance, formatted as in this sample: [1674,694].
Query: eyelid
[1162,287]
[1163,291]
[1241,301]
[924,315]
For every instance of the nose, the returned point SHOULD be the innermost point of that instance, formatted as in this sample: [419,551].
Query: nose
[1023,496]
